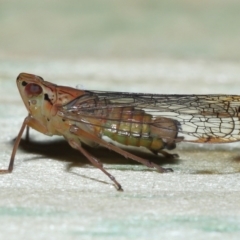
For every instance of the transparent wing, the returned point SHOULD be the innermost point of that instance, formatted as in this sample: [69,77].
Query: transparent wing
[201,118]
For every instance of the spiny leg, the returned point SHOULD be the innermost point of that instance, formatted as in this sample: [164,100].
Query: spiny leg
[80,132]
[96,163]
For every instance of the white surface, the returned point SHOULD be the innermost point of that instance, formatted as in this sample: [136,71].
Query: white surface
[54,192]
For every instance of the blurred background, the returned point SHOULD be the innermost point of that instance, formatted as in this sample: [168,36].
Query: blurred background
[120,29]
[94,42]
[102,44]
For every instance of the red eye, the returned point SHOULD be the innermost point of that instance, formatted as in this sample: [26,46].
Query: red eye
[33,89]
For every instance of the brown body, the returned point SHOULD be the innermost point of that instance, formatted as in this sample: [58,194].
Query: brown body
[148,120]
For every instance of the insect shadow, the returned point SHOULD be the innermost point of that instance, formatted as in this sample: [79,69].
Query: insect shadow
[60,150]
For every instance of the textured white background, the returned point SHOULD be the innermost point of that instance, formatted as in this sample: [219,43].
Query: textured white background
[160,47]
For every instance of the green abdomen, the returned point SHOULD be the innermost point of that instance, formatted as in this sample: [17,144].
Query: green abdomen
[132,127]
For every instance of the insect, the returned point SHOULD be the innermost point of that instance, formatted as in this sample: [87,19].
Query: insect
[154,121]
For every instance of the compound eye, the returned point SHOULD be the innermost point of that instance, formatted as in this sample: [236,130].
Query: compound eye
[33,89]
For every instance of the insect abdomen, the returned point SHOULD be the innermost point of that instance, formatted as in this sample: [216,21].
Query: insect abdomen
[132,127]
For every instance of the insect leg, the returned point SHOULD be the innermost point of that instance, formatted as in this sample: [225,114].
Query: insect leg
[78,131]
[28,122]
[27,134]
[96,163]
[15,147]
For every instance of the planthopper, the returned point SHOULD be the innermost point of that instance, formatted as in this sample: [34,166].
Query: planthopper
[154,121]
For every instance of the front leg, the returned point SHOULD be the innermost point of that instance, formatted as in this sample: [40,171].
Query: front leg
[28,122]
